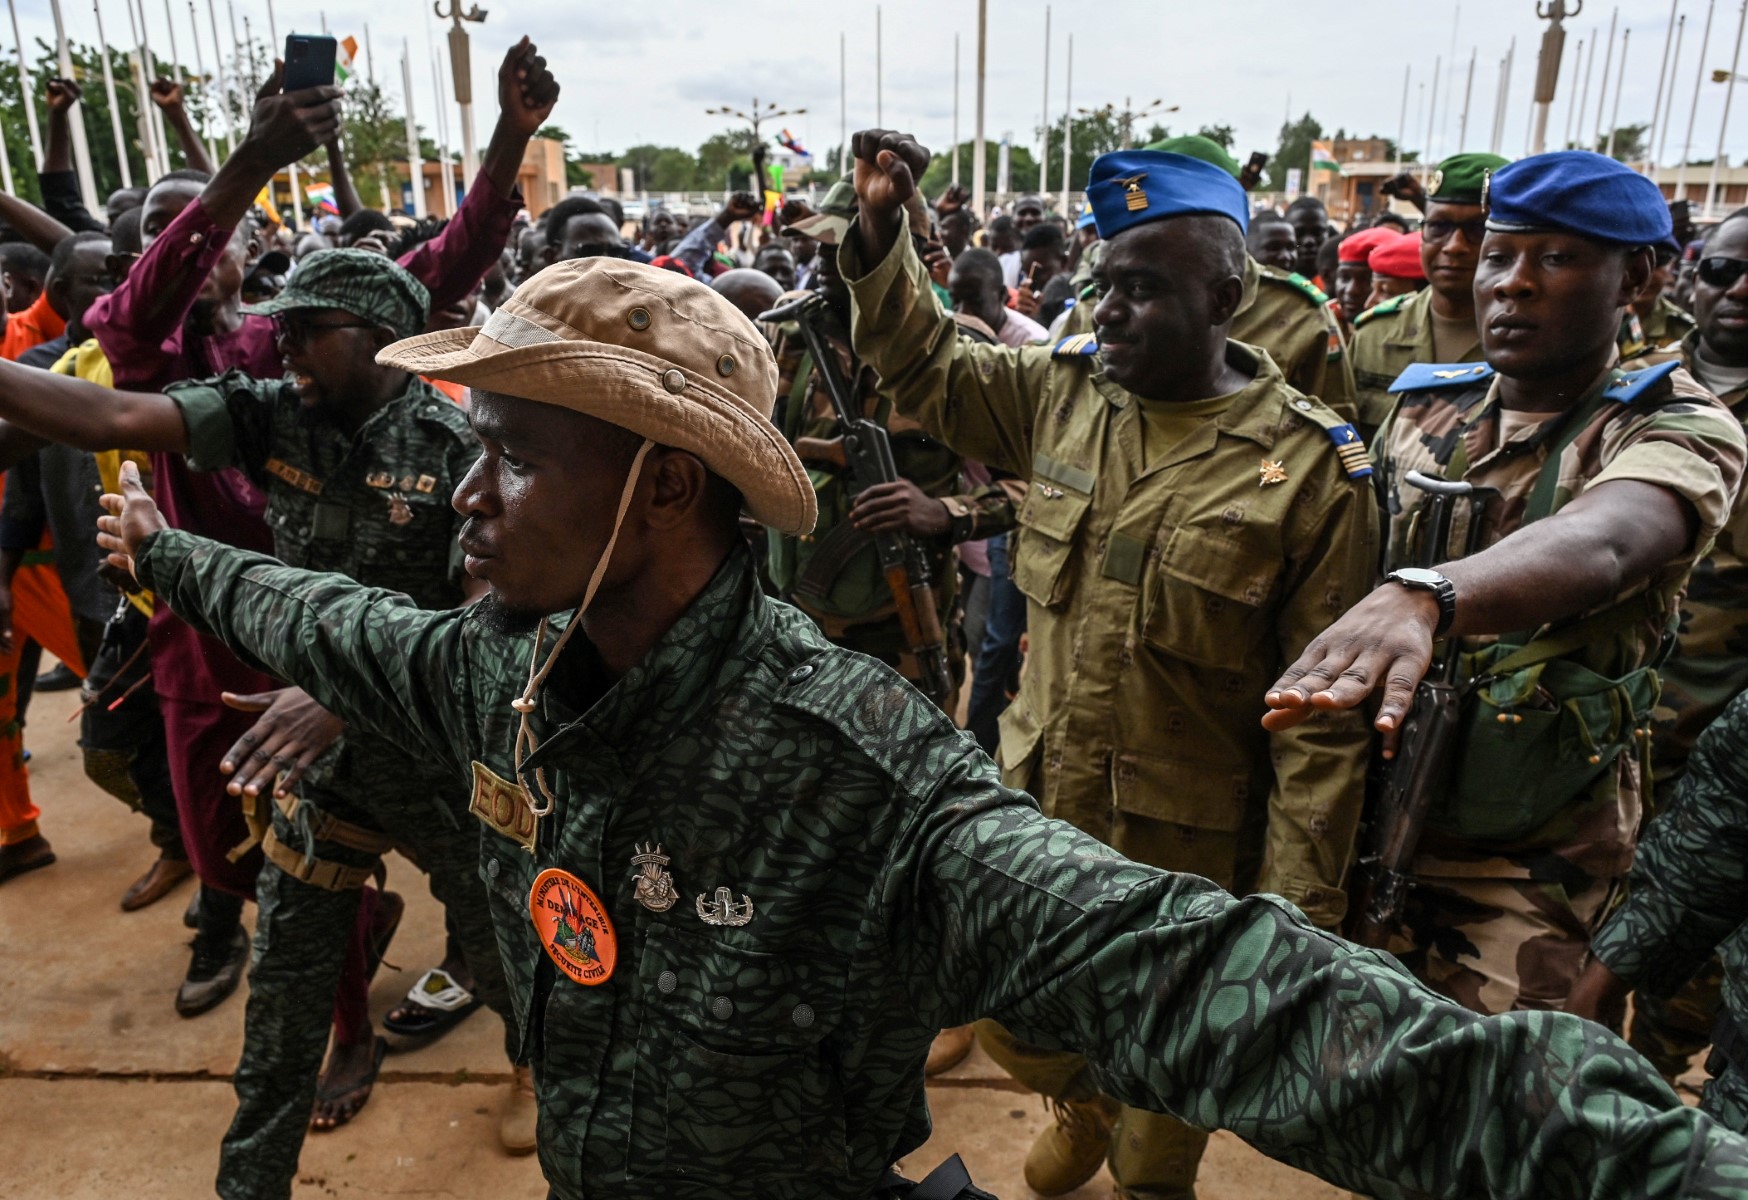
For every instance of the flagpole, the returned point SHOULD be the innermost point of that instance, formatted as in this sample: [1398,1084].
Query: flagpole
[1662,78]
[1468,95]
[1584,97]
[1693,112]
[157,114]
[1068,127]
[218,54]
[6,164]
[955,110]
[127,174]
[1044,149]
[206,133]
[25,90]
[1620,85]
[1674,71]
[415,164]
[291,167]
[1402,122]
[75,115]
[1432,111]
[978,150]
[142,109]
[1724,121]
[1602,87]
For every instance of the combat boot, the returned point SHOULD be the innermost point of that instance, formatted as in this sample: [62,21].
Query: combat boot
[1072,1147]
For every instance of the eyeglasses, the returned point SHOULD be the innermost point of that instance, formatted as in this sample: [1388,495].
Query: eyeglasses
[296,331]
[1722,272]
[1441,230]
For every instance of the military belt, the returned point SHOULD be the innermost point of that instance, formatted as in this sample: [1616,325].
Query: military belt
[318,826]
[317,872]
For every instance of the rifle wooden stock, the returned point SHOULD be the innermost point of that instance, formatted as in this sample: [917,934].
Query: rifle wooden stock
[824,452]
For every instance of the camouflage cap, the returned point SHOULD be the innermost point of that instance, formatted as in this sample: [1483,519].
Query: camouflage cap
[364,284]
[1207,149]
[1460,177]
[832,219]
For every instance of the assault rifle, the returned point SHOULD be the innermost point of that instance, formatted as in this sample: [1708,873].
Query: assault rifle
[1419,776]
[865,451]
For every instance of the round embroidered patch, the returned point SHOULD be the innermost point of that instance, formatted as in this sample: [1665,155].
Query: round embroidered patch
[573,927]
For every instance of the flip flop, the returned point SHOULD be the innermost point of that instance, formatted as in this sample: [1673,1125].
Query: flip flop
[365,1084]
[434,1005]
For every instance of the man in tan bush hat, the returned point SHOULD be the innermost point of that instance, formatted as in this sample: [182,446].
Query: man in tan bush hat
[740,875]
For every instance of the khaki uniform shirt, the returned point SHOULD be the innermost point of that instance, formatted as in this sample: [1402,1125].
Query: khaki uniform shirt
[1674,435]
[1387,340]
[1163,602]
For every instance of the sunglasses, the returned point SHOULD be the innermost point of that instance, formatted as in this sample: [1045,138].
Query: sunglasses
[295,331]
[1722,272]
[1439,230]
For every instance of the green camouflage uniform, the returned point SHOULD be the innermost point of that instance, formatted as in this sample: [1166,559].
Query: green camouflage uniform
[1282,312]
[1504,924]
[858,612]
[1667,325]
[895,888]
[1388,339]
[373,506]
[1161,601]
[1689,899]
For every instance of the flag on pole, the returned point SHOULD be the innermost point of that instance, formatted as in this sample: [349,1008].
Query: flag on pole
[344,55]
[321,197]
[1323,157]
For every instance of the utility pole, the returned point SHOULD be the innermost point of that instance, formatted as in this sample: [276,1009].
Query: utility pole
[1044,134]
[26,90]
[75,116]
[461,65]
[1693,112]
[978,148]
[127,171]
[1724,121]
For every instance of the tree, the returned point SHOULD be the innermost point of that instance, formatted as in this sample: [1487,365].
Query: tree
[660,168]
[1629,143]
[1294,151]
[1221,135]
[374,135]
[575,176]
[1022,169]
[725,161]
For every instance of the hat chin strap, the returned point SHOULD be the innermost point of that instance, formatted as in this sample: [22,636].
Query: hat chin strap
[526,743]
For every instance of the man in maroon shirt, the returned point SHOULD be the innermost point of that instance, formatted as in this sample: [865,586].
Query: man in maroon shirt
[177,316]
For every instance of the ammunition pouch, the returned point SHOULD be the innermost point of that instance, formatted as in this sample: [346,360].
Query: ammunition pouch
[315,826]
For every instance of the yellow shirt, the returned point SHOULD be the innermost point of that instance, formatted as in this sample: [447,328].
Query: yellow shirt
[87,361]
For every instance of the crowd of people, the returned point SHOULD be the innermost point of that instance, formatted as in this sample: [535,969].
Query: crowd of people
[1007,625]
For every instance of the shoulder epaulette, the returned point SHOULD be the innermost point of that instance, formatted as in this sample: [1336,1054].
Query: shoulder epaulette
[1388,308]
[1630,385]
[1421,377]
[1310,289]
[1350,447]
[1080,345]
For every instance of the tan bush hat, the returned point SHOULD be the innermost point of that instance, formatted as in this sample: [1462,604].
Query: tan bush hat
[645,349]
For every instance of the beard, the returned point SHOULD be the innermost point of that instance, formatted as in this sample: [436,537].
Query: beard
[503,620]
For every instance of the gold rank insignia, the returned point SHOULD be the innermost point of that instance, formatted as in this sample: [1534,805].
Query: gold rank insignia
[426,484]
[399,513]
[503,807]
[1134,197]
[379,479]
[1459,374]
[1272,472]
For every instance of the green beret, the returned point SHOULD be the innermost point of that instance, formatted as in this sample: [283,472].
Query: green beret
[1196,146]
[1460,177]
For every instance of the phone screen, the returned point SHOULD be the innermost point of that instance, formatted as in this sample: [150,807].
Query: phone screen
[309,61]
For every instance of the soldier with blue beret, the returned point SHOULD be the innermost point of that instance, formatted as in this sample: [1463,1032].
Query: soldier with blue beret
[1606,487]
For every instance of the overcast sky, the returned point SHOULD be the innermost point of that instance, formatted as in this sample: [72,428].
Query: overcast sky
[636,72]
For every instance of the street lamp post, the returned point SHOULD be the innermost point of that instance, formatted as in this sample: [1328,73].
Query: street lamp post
[756,117]
[1129,115]
[461,67]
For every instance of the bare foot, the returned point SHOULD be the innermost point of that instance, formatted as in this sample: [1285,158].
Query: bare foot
[345,1083]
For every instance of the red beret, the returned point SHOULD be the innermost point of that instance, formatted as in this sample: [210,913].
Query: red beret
[1356,247]
[1397,257]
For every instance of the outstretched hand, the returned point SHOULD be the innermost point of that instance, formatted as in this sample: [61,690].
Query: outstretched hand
[526,89]
[130,519]
[888,164]
[292,733]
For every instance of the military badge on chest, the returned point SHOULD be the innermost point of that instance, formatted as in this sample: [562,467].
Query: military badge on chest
[655,887]
[573,927]
[503,807]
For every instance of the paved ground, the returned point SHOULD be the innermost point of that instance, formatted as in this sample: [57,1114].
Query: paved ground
[106,1092]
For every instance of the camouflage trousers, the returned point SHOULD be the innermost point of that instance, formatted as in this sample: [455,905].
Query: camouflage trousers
[1669,1032]
[1153,1156]
[1495,945]
[301,936]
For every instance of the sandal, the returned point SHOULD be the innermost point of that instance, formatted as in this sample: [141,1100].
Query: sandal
[360,1088]
[434,1005]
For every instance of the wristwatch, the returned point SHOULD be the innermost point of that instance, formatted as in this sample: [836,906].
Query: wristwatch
[1422,579]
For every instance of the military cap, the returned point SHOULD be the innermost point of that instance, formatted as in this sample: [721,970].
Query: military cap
[1460,178]
[360,282]
[1398,257]
[832,219]
[1356,247]
[1576,191]
[648,350]
[1132,187]
[1197,146]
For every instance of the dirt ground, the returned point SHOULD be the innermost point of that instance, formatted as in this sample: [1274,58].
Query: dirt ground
[106,1092]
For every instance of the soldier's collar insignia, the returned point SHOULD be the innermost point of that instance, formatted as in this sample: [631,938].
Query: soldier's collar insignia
[1134,195]
[655,887]
[1272,472]
[1078,346]
[573,927]
[1423,376]
[723,910]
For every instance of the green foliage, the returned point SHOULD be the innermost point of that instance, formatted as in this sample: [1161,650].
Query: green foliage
[1629,143]
[725,161]
[575,175]
[660,168]
[1022,169]
[1221,135]
[1294,151]
[374,136]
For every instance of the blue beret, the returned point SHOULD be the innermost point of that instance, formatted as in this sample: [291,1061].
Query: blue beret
[1576,191]
[1132,187]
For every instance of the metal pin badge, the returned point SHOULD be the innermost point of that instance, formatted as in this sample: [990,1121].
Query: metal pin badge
[724,910]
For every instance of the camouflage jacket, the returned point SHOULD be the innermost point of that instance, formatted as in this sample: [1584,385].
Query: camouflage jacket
[1162,600]
[1667,325]
[373,506]
[1388,339]
[1710,664]
[1283,313]
[1666,431]
[1688,893]
[891,886]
